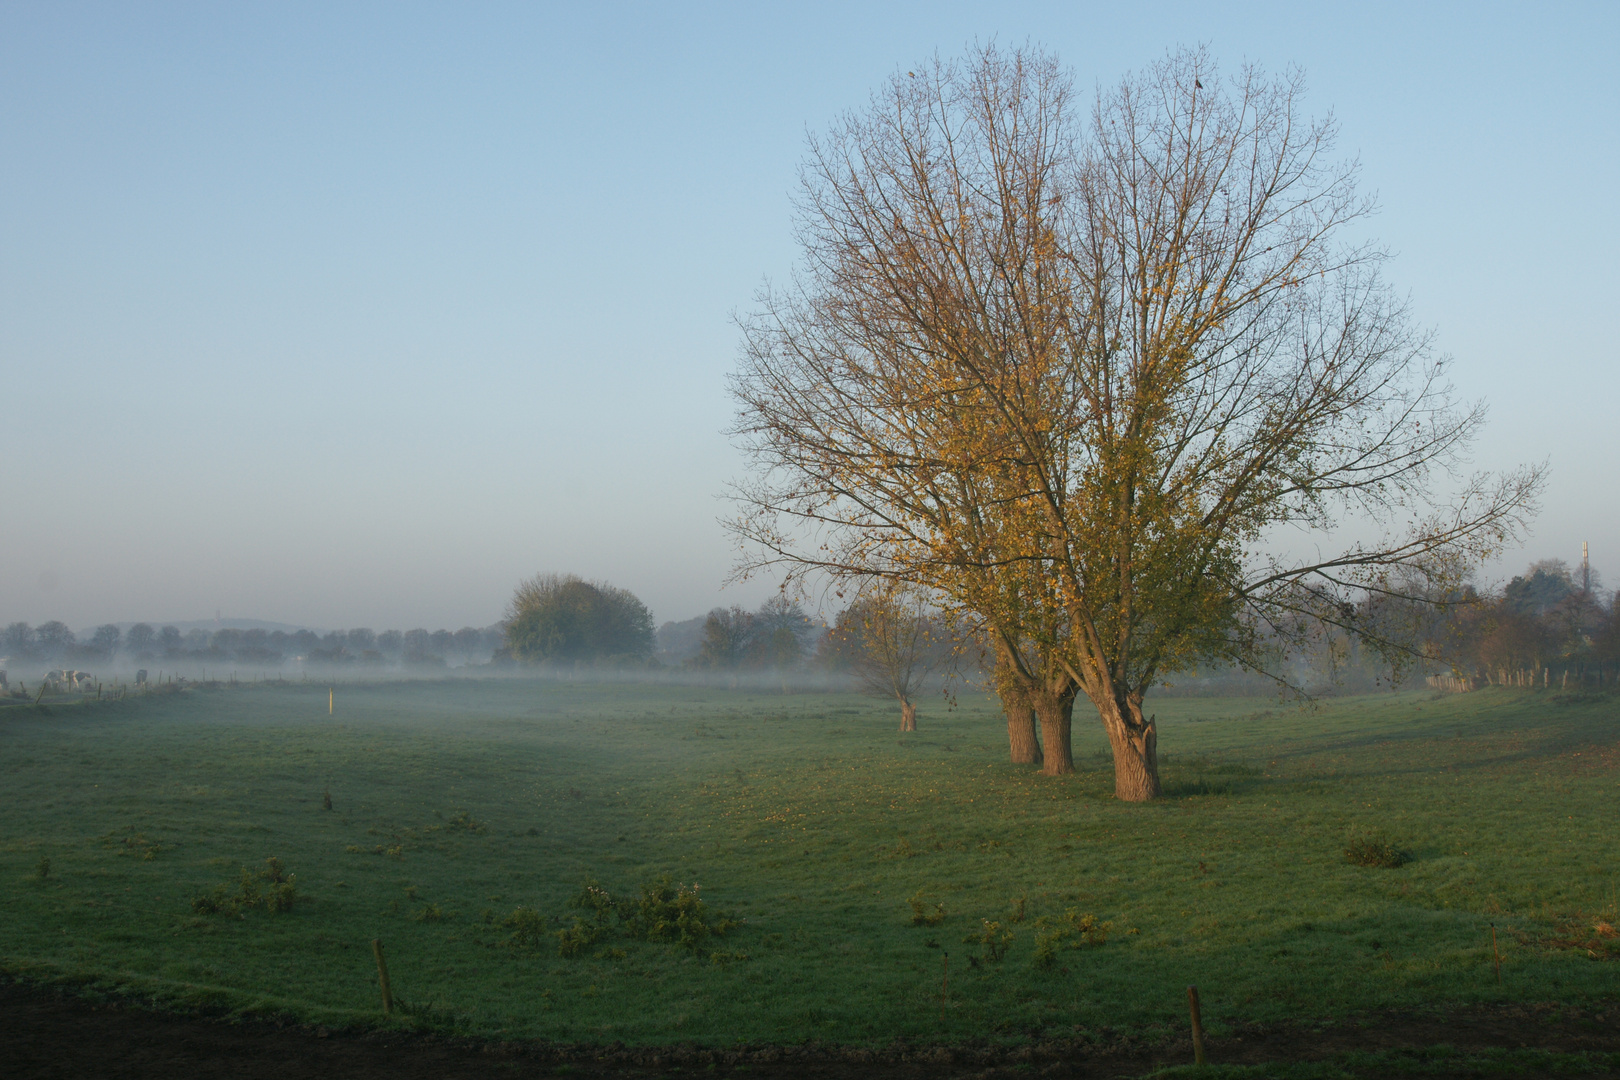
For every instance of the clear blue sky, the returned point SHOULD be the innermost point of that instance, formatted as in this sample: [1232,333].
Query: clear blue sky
[345,315]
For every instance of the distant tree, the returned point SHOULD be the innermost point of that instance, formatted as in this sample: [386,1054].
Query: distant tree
[391,643]
[444,642]
[141,639]
[780,629]
[224,644]
[19,640]
[306,642]
[104,642]
[559,617]
[169,638]
[1542,588]
[728,636]
[361,640]
[254,647]
[418,651]
[54,640]
[897,643]
[333,648]
[468,643]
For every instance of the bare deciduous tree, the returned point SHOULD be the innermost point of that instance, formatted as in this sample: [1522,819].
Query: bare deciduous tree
[895,643]
[1115,383]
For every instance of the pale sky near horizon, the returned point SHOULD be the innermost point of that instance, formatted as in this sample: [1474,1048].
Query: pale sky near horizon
[353,315]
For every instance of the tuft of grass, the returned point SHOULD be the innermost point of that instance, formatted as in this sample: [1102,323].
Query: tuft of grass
[42,869]
[1376,851]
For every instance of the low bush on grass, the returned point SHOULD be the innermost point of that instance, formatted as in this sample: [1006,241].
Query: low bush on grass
[272,888]
[1074,930]
[993,941]
[664,912]
[924,914]
[529,928]
[1375,851]
[461,819]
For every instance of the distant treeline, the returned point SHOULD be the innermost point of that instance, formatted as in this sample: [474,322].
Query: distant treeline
[54,643]
[777,636]
[1547,619]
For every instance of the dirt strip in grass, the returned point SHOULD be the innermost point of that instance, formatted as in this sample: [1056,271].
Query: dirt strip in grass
[50,1032]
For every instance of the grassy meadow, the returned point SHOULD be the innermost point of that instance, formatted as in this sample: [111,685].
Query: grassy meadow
[815,824]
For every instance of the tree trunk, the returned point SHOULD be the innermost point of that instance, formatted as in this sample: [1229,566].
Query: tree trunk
[1135,742]
[1024,747]
[908,715]
[1056,713]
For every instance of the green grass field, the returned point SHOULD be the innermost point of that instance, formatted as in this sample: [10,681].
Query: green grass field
[813,821]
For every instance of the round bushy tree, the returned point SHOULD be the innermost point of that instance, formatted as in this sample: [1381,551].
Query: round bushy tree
[560,618]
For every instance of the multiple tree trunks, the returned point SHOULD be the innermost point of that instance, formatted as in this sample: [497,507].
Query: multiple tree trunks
[908,715]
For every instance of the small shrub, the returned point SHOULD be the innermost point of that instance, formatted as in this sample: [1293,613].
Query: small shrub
[431,913]
[573,940]
[1018,910]
[667,911]
[993,938]
[594,899]
[1047,943]
[1091,930]
[461,819]
[1375,851]
[42,869]
[273,888]
[924,915]
[528,928]
[1076,929]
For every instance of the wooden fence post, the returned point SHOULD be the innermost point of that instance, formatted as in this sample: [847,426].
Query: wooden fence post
[382,976]
[1197,1025]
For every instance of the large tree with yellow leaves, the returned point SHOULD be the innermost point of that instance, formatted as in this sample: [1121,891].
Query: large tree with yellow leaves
[1110,380]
